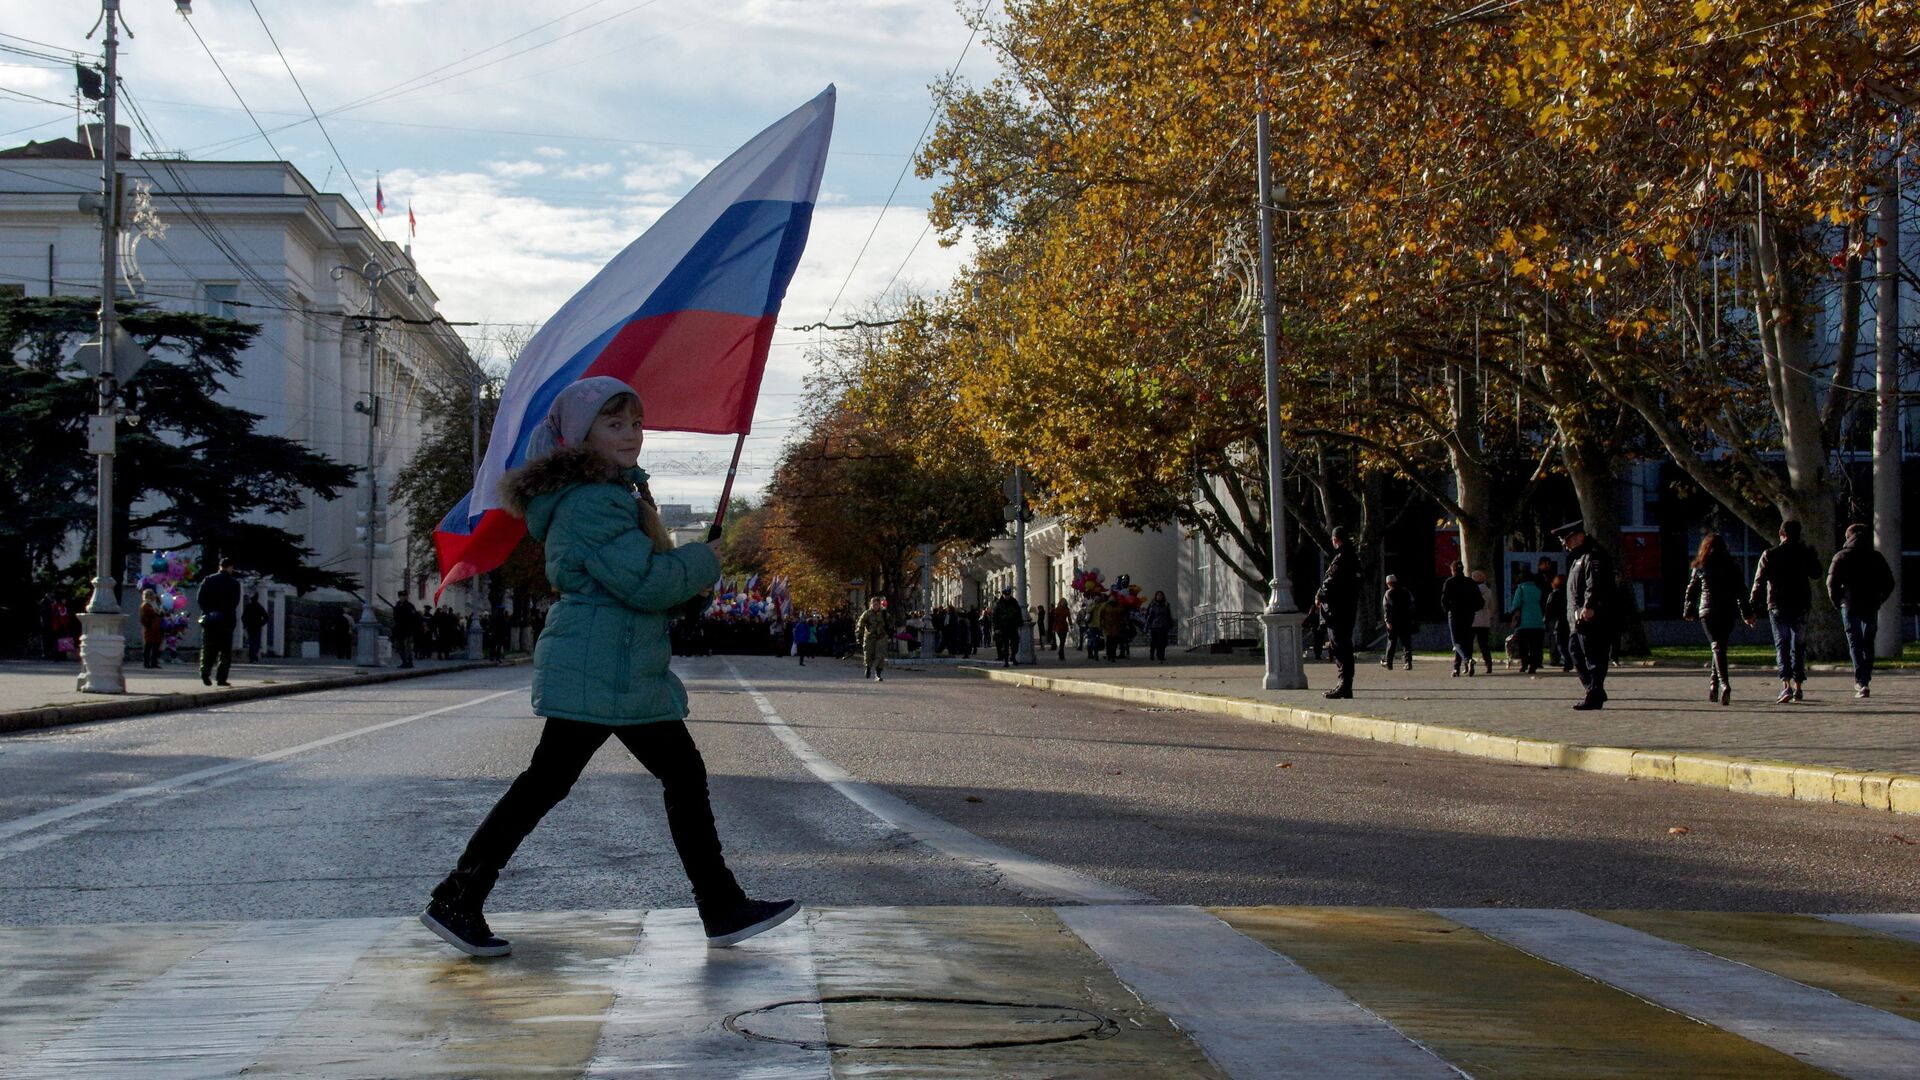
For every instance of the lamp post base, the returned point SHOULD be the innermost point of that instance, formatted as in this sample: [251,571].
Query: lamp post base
[1281,637]
[103,653]
[366,651]
[476,644]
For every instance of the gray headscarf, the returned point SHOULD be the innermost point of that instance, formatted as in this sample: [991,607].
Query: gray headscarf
[572,415]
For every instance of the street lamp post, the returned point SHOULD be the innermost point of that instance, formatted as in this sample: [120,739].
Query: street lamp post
[1025,653]
[103,642]
[1281,619]
[366,648]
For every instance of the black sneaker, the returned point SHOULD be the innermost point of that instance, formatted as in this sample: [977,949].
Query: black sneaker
[737,924]
[464,930]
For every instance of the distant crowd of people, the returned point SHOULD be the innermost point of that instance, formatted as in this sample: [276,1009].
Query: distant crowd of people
[1572,619]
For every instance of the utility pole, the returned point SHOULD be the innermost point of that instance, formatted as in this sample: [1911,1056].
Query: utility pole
[474,639]
[366,651]
[1888,455]
[1024,654]
[1281,619]
[103,643]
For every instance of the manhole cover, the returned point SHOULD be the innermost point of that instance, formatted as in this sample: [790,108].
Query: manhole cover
[917,1023]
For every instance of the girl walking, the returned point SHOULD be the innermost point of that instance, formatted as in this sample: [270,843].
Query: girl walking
[600,669]
[1716,598]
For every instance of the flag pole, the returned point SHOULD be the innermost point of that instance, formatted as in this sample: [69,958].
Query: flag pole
[726,490]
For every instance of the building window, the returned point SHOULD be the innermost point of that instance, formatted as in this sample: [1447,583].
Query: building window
[220,298]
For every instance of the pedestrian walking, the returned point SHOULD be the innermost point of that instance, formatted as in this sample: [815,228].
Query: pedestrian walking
[1338,600]
[1545,571]
[253,621]
[1397,611]
[152,629]
[603,671]
[874,632]
[1858,582]
[406,630]
[1060,621]
[802,639]
[1716,598]
[1159,618]
[1460,600]
[1115,627]
[1589,611]
[219,616]
[1529,607]
[1007,618]
[1558,629]
[1783,587]
[1483,620]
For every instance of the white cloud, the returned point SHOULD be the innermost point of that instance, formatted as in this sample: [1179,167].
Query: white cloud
[516,170]
[550,151]
[596,171]
[672,171]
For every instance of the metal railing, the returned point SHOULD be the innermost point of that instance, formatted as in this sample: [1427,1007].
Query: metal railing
[1209,627]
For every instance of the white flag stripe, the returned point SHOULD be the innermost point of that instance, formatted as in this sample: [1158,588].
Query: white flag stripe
[673,994]
[212,1014]
[1253,1011]
[1905,925]
[1813,1025]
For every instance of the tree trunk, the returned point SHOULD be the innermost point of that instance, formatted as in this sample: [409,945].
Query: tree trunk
[1473,481]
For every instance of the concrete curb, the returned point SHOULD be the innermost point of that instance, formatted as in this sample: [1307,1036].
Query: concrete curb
[1872,790]
[121,708]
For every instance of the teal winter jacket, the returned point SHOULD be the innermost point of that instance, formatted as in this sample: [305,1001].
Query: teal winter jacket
[603,655]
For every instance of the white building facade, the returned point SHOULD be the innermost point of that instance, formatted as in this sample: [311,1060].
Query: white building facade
[257,242]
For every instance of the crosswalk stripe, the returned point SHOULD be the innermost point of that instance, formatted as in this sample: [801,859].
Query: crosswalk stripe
[672,996]
[1857,964]
[1904,925]
[1818,1027]
[1255,1012]
[211,1014]
[1494,1011]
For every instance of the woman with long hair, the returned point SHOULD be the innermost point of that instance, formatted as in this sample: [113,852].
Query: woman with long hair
[1716,598]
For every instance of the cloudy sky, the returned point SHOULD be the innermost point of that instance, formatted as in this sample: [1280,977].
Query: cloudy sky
[536,138]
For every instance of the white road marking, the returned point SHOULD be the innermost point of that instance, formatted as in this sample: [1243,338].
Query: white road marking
[9,830]
[1038,876]
[672,995]
[1253,1011]
[1812,1025]
[1905,926]
[212,1014]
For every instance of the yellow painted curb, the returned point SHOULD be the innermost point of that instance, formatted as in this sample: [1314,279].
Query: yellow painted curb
[1897,792]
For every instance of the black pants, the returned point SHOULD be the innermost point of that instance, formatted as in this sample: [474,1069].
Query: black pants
[1399,640]
[1591,647]
[1340,645]
[1483,637]
[1530,651]
[1563,644]
[253,646]
[1157,644]
[1006,645]
[666,750]
[403,644]
[216,650]
[150,654]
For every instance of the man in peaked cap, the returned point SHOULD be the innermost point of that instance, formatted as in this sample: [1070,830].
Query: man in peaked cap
[1589,610]
[1339,601]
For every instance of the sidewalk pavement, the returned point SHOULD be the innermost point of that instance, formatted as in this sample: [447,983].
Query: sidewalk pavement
[1130,992]
[1658,724]
[37,694]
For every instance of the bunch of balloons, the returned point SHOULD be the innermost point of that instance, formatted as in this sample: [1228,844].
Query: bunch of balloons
[1090,584]
[167,575]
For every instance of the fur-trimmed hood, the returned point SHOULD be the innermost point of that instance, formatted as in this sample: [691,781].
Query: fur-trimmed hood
[557,472]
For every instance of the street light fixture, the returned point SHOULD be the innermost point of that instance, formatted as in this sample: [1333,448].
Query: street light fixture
[367,640]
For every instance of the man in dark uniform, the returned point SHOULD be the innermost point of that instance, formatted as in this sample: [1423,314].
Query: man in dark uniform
[1339,601]
[219,614]
[1589,610]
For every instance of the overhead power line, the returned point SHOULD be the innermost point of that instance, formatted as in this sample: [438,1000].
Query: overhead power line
[236,90]
[372,217]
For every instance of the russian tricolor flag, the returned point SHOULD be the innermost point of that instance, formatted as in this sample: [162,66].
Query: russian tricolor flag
[684,315]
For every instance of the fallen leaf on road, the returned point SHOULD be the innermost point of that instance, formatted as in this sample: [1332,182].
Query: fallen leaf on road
[1897,836]
[1284,765]
[975,798]
[1678,830]
[1116,772]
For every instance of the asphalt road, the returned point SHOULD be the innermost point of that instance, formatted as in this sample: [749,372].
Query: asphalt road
[206,815]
